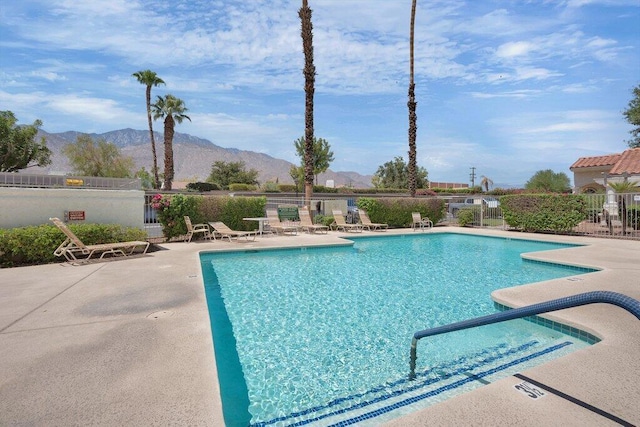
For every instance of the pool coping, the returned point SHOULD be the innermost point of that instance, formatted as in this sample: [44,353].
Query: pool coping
[129,342]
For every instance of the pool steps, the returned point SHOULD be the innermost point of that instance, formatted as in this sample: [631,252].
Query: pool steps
[435,383]
[607,297]
[432,385]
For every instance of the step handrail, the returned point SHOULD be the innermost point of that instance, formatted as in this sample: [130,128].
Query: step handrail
[607,297]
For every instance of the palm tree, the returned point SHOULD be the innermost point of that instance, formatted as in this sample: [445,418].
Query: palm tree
[485,182]
[309,81]
[621,188]
[149,79]
[413,128]
[172,110]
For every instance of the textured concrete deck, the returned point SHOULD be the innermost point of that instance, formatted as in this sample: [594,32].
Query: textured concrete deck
[128,342]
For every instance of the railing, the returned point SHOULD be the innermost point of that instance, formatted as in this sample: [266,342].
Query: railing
[620,300]
[9,179]
[603,219]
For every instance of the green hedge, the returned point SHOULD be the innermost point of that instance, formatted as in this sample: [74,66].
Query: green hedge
[397,211]
[467,215]
[544,212]
[202,187]
[35,244]
[201,209]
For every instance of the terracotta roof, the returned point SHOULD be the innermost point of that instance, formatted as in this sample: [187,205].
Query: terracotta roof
[627,161]
[587,162]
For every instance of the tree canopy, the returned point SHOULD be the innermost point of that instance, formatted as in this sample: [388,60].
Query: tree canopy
[395,174]
[226,173]
[549,181]
[321,156]
[18,146]
[632,114]
[98,158]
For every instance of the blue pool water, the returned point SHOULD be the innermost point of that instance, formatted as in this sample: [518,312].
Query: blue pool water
[322,335]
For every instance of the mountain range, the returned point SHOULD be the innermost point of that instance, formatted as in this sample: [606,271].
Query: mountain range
[193,157]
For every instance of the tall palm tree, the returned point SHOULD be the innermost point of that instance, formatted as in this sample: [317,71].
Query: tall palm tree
[413,127]
[149,79]
[309,88]
[172,110]
[485,182]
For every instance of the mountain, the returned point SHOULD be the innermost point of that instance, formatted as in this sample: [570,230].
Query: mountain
[193,157]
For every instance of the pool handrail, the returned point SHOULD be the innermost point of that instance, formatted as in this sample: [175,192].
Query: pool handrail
[630,304]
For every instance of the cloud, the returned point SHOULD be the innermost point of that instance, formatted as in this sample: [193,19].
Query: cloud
[513,49]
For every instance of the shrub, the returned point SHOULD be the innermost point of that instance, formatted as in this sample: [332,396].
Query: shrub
[270,187]
[544,212]
[397,211]
[287,188]
[467,216]
[231,210]
[35,244]
[633,217]
[172,210]
[202,186]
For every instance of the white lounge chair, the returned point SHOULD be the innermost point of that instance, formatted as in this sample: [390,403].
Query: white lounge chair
[307,224]
[419,222]
[371,226]
[196,229]
[222,229]
[74,250]
[340,223]
[278,227]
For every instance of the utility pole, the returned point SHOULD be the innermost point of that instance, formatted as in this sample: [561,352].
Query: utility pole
[472,175]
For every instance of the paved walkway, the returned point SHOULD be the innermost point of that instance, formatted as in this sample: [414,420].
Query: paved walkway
[128,342]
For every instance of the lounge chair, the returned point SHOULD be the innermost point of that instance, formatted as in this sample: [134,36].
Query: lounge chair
[340,223]
[419,222]
[307,224]
[278,227]
[74,250]
[222,229]
[371,226]
[196,229]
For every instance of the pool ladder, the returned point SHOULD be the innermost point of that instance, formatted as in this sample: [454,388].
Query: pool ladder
[607,297]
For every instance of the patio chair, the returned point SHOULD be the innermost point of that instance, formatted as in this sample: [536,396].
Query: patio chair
[419,222]
[196,229]
[307,224]
[276,226]
[222,229]
[74,250]
[340,223]
[371,226]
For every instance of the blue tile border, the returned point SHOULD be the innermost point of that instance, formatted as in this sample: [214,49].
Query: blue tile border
[556,326]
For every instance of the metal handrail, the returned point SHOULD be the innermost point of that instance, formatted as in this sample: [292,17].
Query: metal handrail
[607,297]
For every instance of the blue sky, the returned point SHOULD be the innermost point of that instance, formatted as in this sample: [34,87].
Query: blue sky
[509,87]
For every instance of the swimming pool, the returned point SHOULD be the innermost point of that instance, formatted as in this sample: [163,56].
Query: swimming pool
[322,335]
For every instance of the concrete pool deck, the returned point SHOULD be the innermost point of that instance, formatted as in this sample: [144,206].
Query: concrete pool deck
[128,342]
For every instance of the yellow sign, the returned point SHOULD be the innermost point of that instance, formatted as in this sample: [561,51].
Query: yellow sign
[74,181]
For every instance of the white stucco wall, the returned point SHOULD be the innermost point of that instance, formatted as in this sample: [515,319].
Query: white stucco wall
[21,207]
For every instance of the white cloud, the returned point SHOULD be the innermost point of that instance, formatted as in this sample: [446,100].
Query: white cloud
[513,49]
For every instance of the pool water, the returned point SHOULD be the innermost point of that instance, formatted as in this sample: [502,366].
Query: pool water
[322,335]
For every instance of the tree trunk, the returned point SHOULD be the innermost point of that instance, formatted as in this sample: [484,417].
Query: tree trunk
[156,177]
[169,125]
[413,128]
[309,88]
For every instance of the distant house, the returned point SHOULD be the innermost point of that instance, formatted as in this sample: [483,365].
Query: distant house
[591,174]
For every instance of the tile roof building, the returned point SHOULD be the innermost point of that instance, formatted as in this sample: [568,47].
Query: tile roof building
[590,173]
